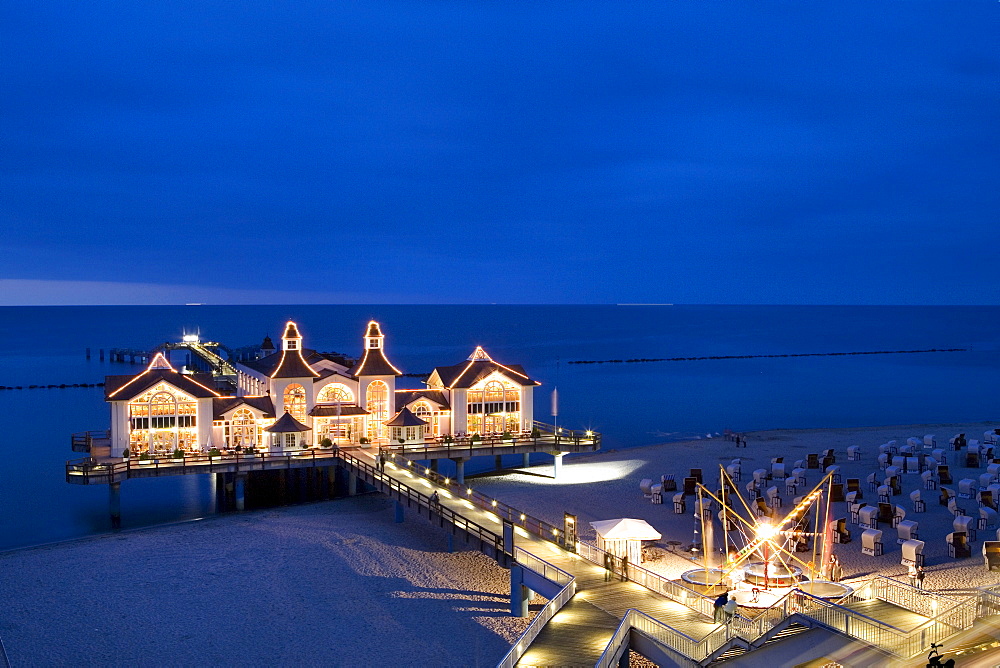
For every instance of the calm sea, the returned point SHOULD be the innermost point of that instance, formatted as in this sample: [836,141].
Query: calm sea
[631,404]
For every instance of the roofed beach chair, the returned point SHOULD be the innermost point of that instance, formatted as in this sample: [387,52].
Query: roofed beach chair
[929,441]
[947,494]
[943,474]
[834,471]
[760,477]
[854,485]
[773,498]
[645,486]
[972,458]
[839,530]
[929,480]
[966,524]
[657,494]
[912,465]
[958,546]
[993,470]
[986,499]
[918,504]
[873,481]
[696,473]
[727,520]
[954,508]
[940,455]
[885,512]
[680,505]
[906,530]
[868,517]
[893,481]
[884,449]
[851,497]
[836,492]
[855,509]
[884,494]
[734,471]
[799,474]
[854,453]
[987,519]
[913,553]
[898,515]
[871,542]
[883,461]
[790,486]
[967,488]
[753,490]
[985,480]
[990,437]
[812,461]
[991,554]
[690,486]
[778,470]
[761,508]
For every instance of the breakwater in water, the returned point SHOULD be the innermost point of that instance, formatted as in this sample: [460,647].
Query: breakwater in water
[751,357]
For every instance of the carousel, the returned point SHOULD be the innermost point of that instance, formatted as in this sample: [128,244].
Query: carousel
[762,555]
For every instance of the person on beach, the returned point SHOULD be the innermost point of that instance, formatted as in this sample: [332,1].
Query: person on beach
[729,609]
[720,604]
[920,578]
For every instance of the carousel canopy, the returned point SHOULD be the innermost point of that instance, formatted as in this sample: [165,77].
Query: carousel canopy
[625,529]
[286,424]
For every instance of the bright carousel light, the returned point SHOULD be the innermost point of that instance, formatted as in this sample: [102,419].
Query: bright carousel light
[765,531]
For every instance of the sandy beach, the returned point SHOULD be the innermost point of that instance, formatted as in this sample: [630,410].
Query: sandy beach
[605,485]
[335,583]
[339,583]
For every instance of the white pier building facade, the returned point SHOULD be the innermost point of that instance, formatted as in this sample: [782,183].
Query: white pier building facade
[296,396]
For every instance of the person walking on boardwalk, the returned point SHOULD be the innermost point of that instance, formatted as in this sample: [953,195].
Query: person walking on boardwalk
[435,500]
[720,603]
[609,567]
[625,568]
[729,609]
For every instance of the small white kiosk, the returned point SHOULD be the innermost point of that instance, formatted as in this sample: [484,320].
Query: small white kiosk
[624,537]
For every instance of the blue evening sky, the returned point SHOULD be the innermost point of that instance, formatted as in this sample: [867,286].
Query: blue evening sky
[517,152]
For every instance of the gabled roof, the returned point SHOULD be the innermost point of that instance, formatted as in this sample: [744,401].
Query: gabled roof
[404,397]
[222,405]
[286,424]
[326,375]
[199,385]
[374,363]
[625,529]
[332,410]
[405,418]
[286,364]
[479,366]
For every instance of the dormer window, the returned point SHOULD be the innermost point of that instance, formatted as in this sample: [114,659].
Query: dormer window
[293,344]
[373,342]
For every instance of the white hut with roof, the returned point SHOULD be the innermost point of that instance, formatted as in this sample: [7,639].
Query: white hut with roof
[624,536]
[405,427]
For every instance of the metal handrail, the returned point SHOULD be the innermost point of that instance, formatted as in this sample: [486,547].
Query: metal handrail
[524,641]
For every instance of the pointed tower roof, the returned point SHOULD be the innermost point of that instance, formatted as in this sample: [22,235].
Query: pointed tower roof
[286,424]
[292,364]
[267,344]
[374,361]
[406,418]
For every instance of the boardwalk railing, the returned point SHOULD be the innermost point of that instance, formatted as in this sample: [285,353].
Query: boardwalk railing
[560,439]
[82,441]
[543,617]
[658,631]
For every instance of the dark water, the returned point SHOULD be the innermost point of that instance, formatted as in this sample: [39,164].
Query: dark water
[631,404]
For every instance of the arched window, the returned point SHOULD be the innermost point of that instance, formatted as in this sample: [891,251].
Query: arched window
[161,421]
[295,401]
[424,411]
[495,408]
[335,393]
[243,429]
[377,405]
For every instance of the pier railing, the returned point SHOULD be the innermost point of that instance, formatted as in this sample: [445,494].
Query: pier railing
[83,441]
[554,605]
[548,437]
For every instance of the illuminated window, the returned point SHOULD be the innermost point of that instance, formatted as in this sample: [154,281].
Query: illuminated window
[494,409]
[377,404]
[162,420]
[424,411]
[242,429]
[295,401]
[335,393]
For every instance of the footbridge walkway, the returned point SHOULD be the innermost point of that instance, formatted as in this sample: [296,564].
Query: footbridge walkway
[592,619]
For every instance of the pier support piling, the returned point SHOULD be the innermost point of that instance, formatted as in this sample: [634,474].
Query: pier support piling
[527,459]
[518,593]
[399,511]
[434,465]
[498,462]
[352,484]
[241,481]
[115,505]
[557,464]
[459,469]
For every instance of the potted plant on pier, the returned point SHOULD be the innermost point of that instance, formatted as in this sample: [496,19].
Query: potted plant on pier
[326,443]
[125,453]
[214,452]
[364,440]
[178,454]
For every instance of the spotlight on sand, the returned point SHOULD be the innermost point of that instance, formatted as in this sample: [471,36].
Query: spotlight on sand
[574,473]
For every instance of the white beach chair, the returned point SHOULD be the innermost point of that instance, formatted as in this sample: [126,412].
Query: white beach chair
[898,515]
[868,517]
[645,487]
[854,453]
[986,479]
[884,494]
[912,465]
[883,461]
[873,481]
[884,449]
[954,508]
[913,553]
[790,487]
[799,475]
[799,464]
[929,441]
[760,477]
[657,494]
[993,470]
[914,442]
[940,455]
[871,542]
[898,462]
[851,497]
[892,447]
[734,472]
[894,470]
[929,480]
[987,518]
[680,505]
[773,499]
[918,504]
[839,530]
[834,469]
[966,524]
[967,488]
[855,507]
[777,471]
[989,438]
[906,530]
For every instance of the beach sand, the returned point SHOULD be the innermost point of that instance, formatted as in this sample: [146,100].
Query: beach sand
[605,485]
[339,583]
[334,583]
